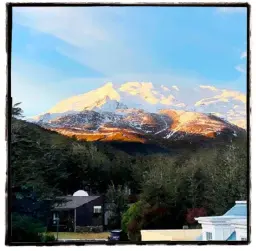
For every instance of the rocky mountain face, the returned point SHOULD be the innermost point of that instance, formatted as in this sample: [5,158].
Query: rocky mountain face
[140,112]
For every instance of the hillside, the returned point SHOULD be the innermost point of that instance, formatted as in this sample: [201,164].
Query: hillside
[143,127]
[176,174]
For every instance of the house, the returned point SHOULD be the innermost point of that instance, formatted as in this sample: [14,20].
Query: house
[78,213]
[231,226]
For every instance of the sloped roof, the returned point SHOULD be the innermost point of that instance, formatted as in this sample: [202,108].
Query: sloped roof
[239,209]
[72,202]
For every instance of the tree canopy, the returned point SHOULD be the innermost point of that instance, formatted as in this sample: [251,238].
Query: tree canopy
[45,164]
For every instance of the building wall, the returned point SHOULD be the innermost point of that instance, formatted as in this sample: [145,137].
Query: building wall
[170,235]
[219,232]
[241,233]
[84,214]
[208,228]
[222,232]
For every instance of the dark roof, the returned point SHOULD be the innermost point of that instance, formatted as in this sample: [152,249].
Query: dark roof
[72,202]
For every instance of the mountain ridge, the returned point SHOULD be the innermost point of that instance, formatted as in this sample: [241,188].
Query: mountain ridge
[138,111]
[140,126]
[230,105]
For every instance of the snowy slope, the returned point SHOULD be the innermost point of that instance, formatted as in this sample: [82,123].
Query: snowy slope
[140,126]
[227,104]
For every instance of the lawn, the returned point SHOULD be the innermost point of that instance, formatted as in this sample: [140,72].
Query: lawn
[82,236]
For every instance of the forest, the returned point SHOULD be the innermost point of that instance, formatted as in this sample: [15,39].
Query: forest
[171,189]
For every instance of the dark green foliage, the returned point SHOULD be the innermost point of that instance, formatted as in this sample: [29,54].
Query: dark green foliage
[211,178]
[117,199]
[48,238]
[45,164]
[132,221]
[26,229]
[17,111]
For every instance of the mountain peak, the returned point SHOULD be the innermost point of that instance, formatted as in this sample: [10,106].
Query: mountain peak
[228,104]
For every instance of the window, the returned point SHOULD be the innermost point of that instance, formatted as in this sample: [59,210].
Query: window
[208,236]
[97,209]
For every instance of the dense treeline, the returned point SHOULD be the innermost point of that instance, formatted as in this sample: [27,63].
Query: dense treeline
[206,182]
[45,164]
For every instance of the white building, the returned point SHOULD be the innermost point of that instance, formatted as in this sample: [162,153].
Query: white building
[232,226]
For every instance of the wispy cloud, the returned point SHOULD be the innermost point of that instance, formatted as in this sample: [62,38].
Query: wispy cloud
[240,68]
[231,10]
[244,55]
[45,91]
[96,37]
[104,39]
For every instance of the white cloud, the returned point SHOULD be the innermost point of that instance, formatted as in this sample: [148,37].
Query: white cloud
[212,88]
[244,55]
[175,87]
[232,10]
[45,92]
[98,38]
[240,68]
[72,25]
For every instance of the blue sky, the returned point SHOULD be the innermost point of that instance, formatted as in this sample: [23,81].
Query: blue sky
[61,52]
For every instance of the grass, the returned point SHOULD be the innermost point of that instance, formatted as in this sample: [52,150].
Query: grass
[81,236]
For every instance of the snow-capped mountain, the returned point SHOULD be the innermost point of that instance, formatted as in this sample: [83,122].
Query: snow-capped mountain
[140,126]
[135,110]
[227,104]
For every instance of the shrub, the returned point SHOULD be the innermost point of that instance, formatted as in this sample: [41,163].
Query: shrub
[26,229]
[48,238]
[133,212]
[134,228]
[132,221]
